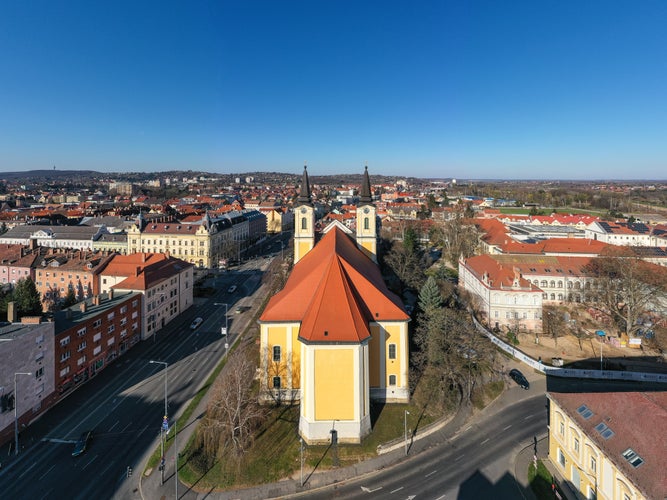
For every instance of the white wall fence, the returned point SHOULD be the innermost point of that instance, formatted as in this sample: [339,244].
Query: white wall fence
[570,372]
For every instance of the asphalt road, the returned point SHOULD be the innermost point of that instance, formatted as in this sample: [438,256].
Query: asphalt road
[124,405]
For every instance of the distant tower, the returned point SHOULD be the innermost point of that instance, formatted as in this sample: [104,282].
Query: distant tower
[304,220]
[366,220]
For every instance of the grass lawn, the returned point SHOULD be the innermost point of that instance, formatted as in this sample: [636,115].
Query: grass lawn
[540,481]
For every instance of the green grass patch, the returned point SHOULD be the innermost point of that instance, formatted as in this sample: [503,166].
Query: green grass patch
[540,481]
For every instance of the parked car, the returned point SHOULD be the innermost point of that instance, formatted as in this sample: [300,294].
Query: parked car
[231,289]
[196,323]
[82,443]
[519,378]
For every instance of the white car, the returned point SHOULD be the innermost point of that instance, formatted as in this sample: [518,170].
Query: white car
[196,323]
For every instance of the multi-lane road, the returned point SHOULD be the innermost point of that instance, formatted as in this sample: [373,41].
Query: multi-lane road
[124,404]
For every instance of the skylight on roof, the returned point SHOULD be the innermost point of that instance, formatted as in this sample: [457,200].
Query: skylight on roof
[631,456]
[585,412]
[604,430]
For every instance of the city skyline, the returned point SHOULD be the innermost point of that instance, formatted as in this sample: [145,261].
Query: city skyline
[474,90]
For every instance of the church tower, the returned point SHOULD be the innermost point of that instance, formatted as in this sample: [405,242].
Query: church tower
[304,220]
[366,220]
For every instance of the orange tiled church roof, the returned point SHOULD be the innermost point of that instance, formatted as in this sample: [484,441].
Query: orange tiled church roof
[334,291]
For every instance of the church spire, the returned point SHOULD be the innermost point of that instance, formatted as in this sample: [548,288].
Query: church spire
[365,194]
[304,193]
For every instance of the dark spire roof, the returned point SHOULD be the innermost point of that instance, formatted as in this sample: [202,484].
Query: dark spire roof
[365,194]
[304,193]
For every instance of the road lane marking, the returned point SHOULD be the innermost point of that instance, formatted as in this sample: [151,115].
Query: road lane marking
[126,427]
[114,425]
[458,458]
[44,475]
[82,468]
[485,441]
[366,489]
[528,417]
[431,473]
[505,428]
[56,440]
[397,489]
[27,470]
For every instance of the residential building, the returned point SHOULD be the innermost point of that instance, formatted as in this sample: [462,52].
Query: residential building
[68,237]
[166,283]
[26,373]
[610,445]
[92,334]
[504,296]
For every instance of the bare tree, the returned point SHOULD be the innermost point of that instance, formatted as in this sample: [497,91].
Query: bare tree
[553,322]
[457,237]
[233,413]
[627,287]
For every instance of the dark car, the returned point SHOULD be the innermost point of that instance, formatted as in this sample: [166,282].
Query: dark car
[518,377]
[82,443]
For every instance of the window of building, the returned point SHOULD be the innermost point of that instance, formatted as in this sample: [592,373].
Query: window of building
[561,428]
[392,351]
[276,353]
[392,379]
[39,372]
[276,382]
[561,458]
[366,223]
[575,444]
[593,464]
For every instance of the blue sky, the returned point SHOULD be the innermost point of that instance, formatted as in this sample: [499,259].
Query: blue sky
[467,89]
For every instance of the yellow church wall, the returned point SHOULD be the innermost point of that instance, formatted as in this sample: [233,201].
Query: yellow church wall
[296,359]
[374,356]
[305,247]
[277,336]
[368,246]
[393,366]
[334,384]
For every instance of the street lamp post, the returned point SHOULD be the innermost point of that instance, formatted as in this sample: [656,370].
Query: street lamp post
[226,317]
[16,417]
[166,418]
[405,430]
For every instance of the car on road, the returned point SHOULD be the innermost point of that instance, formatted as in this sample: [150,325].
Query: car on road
[231,289]
[82,443]
[195,324]
[519,378]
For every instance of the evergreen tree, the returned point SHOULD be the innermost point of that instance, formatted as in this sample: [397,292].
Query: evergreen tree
[27,298]
[70,298]
[429,295]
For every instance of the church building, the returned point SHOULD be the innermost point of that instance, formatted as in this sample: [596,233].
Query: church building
[335,338]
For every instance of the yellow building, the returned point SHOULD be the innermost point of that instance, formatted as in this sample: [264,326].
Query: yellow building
[610,445]
[335,337]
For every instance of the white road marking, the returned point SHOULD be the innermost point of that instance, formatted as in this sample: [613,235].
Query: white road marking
[431,473]
[82,468]
[458,458]
[505,428]
[397,489]
[365,489]
[528,417]
[27,470]
[114,425]
[485,441]
[44,475]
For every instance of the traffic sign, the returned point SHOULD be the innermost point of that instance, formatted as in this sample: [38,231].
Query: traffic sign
[223,331]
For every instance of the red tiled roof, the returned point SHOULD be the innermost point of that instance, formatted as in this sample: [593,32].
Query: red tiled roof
[335,291]
[638,420]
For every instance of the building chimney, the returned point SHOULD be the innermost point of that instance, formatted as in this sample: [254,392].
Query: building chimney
[11,312]
[84,306]
[110,293]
